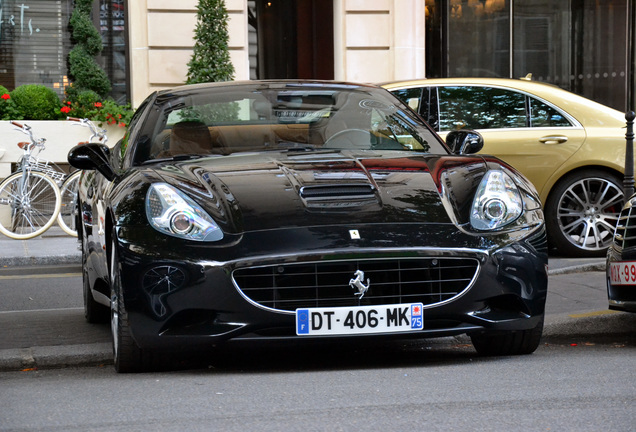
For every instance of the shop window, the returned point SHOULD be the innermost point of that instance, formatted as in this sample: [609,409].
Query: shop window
[35,42]
[580,46]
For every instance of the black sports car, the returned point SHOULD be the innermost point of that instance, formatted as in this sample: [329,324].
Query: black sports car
[621,261]
[299,210]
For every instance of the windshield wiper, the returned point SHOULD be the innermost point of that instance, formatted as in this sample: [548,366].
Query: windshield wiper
[176,158]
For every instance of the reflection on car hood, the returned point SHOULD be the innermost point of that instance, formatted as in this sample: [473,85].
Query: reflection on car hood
[267,191]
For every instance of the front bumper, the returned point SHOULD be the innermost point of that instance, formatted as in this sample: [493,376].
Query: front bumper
[621,290]
[186,296]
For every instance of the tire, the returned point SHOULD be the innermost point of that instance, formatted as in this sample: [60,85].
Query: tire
[127,355]
[511,343]
[28,211]
[582,211]
[67,218]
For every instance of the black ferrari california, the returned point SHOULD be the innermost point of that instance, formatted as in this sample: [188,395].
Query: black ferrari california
[303,210]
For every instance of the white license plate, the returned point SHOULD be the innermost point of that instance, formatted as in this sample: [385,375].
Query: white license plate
[360,320]
[623,273]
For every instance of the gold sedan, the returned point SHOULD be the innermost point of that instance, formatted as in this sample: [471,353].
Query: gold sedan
[571,148]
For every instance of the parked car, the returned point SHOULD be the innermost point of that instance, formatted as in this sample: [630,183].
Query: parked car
[571,148]
[621,261]
[300,210]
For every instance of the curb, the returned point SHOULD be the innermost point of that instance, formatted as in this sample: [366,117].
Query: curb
[41,260]
[55,357]
[593,266]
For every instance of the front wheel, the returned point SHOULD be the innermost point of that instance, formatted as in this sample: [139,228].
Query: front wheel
[67,218]
[582,211]
[127,355]
[29,204]
[510,343]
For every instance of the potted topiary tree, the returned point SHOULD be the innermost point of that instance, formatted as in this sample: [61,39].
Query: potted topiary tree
[84,71]
[211,58]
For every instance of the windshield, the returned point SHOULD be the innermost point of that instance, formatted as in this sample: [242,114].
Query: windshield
[224,120]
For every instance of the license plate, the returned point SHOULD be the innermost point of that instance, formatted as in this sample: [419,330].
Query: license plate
[360,320]
[623,273]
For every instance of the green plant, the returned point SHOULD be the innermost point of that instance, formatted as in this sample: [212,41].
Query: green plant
[84,71]
[36,102]
[8,109]
[211,58]
[88,104]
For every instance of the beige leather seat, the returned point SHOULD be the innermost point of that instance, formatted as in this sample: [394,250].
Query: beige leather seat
[190,137]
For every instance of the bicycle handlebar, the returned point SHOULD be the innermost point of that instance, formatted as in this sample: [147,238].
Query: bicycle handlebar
[98,133]
[26,129]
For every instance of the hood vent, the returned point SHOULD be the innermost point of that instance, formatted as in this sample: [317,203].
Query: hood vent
[337,195]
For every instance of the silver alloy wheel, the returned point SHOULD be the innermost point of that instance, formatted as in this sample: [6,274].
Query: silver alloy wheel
[588,211]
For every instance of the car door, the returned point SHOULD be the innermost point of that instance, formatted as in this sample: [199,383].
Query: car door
[528,133]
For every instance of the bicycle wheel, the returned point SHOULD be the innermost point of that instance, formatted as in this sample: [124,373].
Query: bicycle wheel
[29,204]
[67,219]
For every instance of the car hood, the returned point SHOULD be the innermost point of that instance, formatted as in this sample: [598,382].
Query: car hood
[270,191]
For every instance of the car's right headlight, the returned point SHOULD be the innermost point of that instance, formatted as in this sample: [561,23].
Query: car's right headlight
[172,212]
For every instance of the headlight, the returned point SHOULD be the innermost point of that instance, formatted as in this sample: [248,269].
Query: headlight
[497,202]
[172,212]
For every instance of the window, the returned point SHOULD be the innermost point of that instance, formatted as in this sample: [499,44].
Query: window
[35,42]
[542,115]
[581,46]
[466,107]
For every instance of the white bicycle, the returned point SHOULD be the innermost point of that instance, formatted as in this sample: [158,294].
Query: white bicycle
[30,198]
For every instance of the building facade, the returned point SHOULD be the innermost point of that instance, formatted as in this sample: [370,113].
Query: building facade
[583,46]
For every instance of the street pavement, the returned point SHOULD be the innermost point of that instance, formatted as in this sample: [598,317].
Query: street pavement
[61,337]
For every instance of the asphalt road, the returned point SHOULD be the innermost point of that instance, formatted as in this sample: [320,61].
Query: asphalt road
[377,387]
[580,379]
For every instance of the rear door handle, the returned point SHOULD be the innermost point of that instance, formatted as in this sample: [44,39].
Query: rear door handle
[553,139]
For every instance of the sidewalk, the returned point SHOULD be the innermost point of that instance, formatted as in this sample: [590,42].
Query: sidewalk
[51,248]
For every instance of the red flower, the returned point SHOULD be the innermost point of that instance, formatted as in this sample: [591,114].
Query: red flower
[68,102]
[65,109]
[98,104]
[5,96]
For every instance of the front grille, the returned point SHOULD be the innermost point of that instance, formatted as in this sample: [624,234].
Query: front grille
[326,283]
[625,233]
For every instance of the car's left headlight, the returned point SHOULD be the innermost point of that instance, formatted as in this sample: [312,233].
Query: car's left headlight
[172,212]
[497,202]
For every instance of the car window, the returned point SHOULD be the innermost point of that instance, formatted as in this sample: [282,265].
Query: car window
[543,115]
[471,107]
[411,97]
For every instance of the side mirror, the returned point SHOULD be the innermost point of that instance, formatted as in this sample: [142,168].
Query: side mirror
[464,141]
[93,156]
